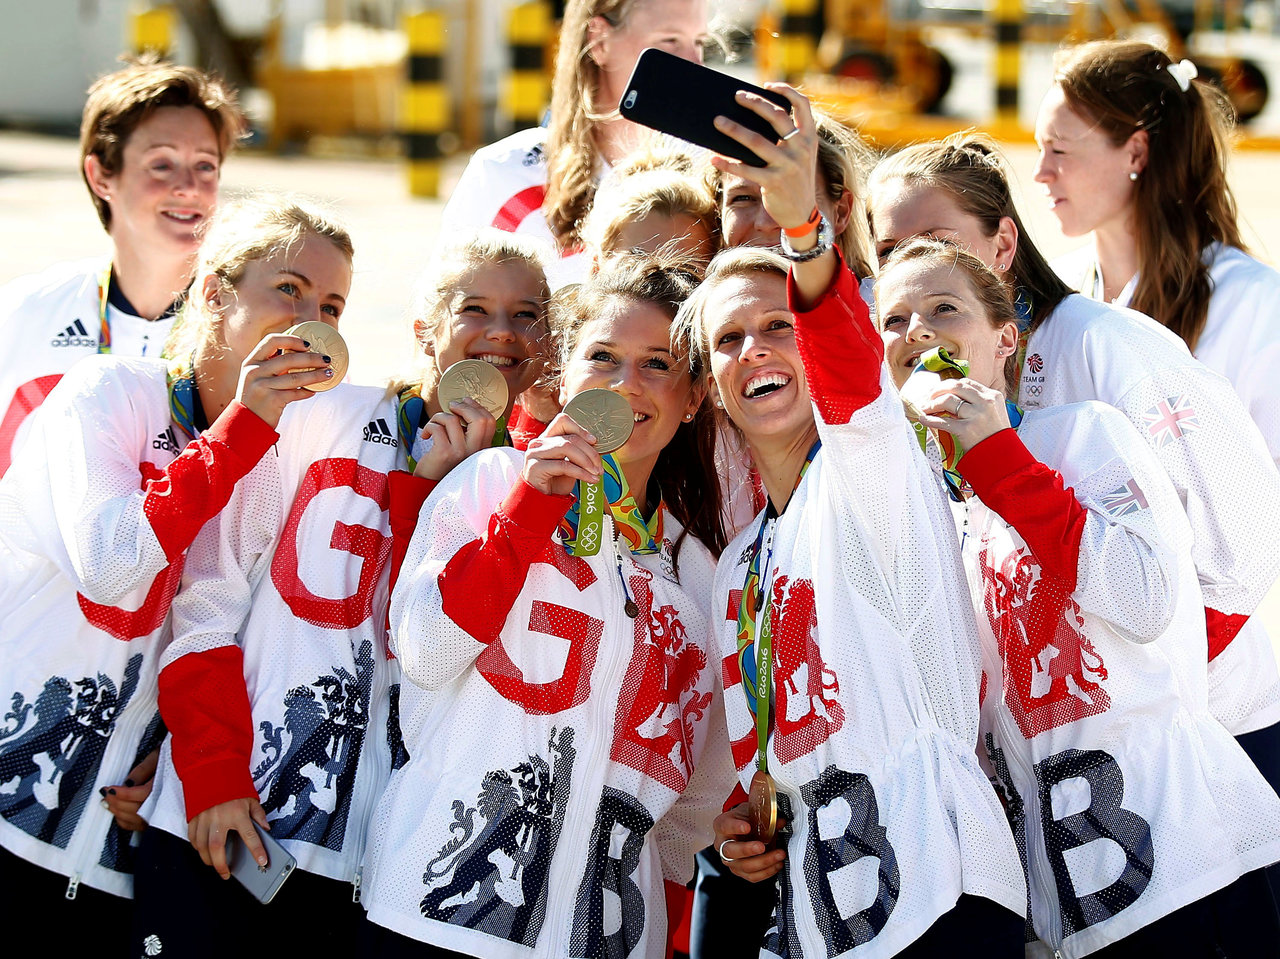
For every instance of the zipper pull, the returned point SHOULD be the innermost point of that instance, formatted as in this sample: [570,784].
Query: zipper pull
[355,884]
[73,886]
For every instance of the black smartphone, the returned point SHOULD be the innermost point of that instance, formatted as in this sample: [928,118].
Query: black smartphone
[676,96]
[263,882]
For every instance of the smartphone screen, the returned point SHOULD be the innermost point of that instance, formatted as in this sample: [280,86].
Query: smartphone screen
[683,99]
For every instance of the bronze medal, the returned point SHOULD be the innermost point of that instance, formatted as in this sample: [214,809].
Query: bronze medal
[605,415]
[474,380]
[326,341]
[762,808]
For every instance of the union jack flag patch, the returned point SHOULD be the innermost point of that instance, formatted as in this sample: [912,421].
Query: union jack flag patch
[1171,419]
[1125,500]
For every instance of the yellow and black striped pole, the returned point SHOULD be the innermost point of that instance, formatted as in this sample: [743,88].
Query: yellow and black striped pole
[798,32]
[1008,30]
[528,86]
[151,29]
[425,104]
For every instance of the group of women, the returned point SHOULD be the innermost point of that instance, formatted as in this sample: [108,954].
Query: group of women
[949,568]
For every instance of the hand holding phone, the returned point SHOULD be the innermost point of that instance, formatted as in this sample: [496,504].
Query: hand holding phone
[263,882]
[676,96]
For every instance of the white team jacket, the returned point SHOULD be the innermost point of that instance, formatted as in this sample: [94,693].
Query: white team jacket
[285,596]
[1241,337]
[876,673]
[95,518]
[1129,798]
[48,321]
[503,186]
[1219,464]
[553,739]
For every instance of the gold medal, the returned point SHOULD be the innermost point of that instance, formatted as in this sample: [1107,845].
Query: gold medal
[762,808]
[474,380]
[326,341]
[605,415]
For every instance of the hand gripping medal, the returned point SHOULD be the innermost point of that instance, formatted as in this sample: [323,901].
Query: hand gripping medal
[935,367]
[608,417]
[475,380]
[324,339]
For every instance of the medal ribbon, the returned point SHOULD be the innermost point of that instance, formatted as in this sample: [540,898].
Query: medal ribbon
[182,394]
[104,325]
[938,360]
[411,417]
[583,525]
[755,644]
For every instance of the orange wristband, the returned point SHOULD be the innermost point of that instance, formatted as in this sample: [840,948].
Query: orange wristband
[805,228]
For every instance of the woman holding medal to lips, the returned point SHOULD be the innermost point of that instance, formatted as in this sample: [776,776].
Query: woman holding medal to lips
[131,458]
[843,612]
[1078,554]
[278,689]
[562,720]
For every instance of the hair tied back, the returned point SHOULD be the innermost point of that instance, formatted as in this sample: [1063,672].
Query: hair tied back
[1184,71]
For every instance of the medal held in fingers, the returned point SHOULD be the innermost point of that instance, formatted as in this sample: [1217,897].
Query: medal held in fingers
[605,415]
[762,807]
[326,341]
[474,380]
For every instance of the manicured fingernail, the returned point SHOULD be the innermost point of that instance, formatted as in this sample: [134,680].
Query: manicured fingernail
[105,804]
[326,359]
[111,791]
[305,343]
[129,783]
[277,352]
[102,791]
[328,374]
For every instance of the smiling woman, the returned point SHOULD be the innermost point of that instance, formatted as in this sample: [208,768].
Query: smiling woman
[152,142]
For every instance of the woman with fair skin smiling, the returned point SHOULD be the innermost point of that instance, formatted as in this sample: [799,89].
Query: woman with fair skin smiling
[562,694]
[1077,551]
[873,659]
[279,664]
[1073,349]
[92,561]
[1133,154]
[153,139]
[541,181]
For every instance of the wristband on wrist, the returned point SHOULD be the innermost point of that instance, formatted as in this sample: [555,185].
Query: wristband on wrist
[805,228]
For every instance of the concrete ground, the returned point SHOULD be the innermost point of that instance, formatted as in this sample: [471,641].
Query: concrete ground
[45,216]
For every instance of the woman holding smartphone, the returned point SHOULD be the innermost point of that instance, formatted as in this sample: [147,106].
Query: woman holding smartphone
[845,608]
[541,181]
[131,458]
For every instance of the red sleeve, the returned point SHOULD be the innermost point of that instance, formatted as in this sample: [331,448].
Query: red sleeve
[524,427]
[1030,497]
[1222,629]
[495,567]
[679,917]
[408,492]
[196,485]
[204,704]
[840,347]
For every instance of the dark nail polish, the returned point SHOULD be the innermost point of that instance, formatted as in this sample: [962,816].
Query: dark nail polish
[326,359]
[130,783]
[111,791]
[102,791]
[305,343]
[277,352]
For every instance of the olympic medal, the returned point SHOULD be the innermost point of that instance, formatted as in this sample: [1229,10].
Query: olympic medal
[474,380]
[326,341]
[762,808]
[605,415]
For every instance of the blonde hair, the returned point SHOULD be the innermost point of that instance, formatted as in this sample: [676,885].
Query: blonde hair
[647,184]
[246,229]
[690,329]
[119,102]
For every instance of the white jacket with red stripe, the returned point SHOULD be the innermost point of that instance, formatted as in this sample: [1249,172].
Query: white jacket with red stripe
[95,519]
[1090,610]
[277,683]
[503,186]
[558,748]
[1205,441]
[876,672]
[48,321]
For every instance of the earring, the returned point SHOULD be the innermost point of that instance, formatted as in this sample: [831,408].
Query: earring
[688,417]
[719,404]
[1133,175]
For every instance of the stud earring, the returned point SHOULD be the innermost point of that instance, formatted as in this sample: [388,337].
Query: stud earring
[719,404]
[1133,175]
[688,417]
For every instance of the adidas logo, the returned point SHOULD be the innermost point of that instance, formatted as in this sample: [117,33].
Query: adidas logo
[377,432]
[166,441]
[74,335]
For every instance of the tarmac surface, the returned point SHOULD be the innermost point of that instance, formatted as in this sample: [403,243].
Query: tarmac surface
[46,216]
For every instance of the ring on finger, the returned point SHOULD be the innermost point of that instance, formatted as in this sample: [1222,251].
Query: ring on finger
[723,857]
[794,131]
[960,402]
